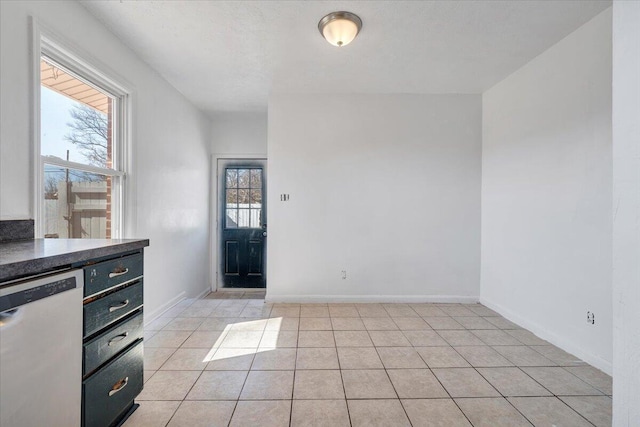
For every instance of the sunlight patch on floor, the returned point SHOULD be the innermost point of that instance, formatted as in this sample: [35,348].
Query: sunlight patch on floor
[266,344]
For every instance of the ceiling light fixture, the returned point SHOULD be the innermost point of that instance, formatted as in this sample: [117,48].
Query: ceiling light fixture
[340,28]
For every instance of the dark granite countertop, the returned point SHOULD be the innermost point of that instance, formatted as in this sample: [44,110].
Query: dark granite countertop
[29,257]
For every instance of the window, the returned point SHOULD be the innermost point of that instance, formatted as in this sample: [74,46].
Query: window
[81,152]
[243,194]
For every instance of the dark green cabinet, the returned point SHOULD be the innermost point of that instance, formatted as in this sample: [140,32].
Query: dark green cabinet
[107,274]
[109,393]
[103,311]
[111,342]
[112,339]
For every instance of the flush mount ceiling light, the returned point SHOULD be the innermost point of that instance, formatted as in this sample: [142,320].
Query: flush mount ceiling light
[340,28]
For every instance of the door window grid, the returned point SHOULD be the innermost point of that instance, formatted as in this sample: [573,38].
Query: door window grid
[243,196]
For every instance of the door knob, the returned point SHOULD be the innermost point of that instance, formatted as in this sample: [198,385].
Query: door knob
[264,234]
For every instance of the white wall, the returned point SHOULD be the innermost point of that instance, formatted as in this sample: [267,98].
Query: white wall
[233,135]
[170,179]
[386,187]
[626,221]
[546,194]
[239,133]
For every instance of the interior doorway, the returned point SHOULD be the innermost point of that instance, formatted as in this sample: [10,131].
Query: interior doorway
[242,223]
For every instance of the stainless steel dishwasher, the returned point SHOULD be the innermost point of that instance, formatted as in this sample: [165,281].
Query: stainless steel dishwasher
[41,351]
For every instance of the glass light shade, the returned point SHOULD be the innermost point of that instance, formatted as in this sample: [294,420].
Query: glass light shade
[340,32]
[340,28]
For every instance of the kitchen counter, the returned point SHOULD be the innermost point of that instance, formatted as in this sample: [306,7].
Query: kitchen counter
[28,257]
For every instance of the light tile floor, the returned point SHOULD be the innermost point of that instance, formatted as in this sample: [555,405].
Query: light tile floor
[233,360]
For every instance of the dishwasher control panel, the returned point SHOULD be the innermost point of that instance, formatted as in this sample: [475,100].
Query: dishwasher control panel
[43,288]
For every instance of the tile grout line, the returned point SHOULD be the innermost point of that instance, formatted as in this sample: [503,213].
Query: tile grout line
[554,395]
[391,382]
[574,410]
[160,367]
[446,391]
[245,381]
[344,389]
[488,382]
[295,369]
[503,396]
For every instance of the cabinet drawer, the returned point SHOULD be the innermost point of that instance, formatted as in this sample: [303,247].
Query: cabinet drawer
[110,392]
[111,307]
[108,274]
[109,343]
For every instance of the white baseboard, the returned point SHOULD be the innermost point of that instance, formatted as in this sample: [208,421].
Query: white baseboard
[204,293]
[151,316]
[372,298]
[554,339]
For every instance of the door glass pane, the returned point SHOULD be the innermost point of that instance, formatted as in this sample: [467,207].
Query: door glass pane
[256,198]
[256,218]
[243,178]
[232,218]
[243,198]
[256,178]
[76,204]
[232,198]
[232,178]
[243,218]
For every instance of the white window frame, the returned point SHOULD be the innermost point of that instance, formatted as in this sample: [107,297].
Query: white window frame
[85,68]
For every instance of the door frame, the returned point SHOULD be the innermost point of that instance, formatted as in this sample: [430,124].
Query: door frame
[216,186]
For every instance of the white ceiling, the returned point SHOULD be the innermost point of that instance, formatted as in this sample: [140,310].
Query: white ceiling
[230,55]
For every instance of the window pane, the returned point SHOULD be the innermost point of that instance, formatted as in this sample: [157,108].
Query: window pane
[232,218]
[243,218]
[232,178]
[256,178]
[243,178]
[76,204]
[256,198]
[243,198]
[75,119]
[255,218]
[232,198]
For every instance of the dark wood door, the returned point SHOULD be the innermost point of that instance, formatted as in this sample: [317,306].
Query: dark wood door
[243,228]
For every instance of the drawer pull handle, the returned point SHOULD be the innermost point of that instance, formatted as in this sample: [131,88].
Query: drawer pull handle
[118,386]
[117,338]
[118,273]
[123,304]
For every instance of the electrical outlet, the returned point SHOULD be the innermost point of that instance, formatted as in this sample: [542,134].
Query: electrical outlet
[591,318]
[344,274]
